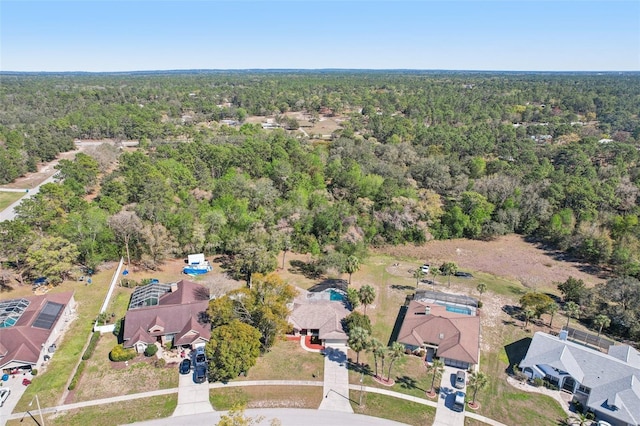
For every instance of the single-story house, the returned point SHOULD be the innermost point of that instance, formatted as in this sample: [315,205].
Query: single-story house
[167,313]
[319,318]
[30,326]
[451,336]
[606,383]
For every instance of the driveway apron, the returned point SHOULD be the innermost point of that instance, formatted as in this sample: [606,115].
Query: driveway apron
[193,398]
[336,380]
[445,416]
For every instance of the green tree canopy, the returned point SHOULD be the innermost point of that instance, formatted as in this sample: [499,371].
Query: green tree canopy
[233,349]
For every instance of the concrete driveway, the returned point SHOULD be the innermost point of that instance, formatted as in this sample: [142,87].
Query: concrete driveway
[17,390]
[445,416]
[193,398]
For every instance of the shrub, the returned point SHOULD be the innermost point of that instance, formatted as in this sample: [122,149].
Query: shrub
[150,350]
[118,327]
[537,382]
[119,354]
[92,345]
[479,304]
[34,371]
[168,345]
[159,363]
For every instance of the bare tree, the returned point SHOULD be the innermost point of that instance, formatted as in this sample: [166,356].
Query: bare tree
[126,225]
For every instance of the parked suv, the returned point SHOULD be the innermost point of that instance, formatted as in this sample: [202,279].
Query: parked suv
[199,357]
[461,379]
[425,268]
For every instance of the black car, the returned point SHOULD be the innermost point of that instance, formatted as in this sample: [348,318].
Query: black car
[185,366]
[463,274]
[200,374]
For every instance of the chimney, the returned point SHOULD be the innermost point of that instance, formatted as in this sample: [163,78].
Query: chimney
[563,335]
[174,287]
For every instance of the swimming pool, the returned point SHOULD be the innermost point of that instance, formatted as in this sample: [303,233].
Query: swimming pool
[456,309]
[336,295]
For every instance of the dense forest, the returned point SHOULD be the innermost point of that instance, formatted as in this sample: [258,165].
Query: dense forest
[420,155]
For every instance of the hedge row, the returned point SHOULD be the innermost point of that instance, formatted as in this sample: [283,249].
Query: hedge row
[76,376]
[92,345]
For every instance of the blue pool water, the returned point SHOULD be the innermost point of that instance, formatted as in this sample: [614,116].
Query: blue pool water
[336,295]
[456,309]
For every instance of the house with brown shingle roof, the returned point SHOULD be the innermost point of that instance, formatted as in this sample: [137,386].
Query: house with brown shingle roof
[177,317]
[451,336]
[30,326]
[320,318]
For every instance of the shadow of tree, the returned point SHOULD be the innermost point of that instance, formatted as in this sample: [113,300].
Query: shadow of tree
[307,269]
[402,287]
[407,382]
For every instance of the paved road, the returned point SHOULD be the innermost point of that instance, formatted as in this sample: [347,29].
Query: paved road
[286,416]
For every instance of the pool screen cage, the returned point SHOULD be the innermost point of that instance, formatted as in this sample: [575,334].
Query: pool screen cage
[447,298]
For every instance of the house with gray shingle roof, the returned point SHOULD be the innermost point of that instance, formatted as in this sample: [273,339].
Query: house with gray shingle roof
[175,318]
[320,318]
[606,383]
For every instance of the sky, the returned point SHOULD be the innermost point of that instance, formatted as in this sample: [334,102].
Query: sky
[502,35]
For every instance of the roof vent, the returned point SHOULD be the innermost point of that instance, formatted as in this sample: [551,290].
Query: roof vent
[441,336]
[427,310]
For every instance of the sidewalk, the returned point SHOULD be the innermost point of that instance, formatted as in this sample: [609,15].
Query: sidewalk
[336,380]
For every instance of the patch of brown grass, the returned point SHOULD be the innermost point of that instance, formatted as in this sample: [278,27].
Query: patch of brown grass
[267,397]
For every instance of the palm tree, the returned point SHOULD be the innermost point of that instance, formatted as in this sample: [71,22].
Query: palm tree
[437,366]
[358,341]
[367,295]
[552,309]
[477,381]
[351,265]
[435,272]
[528,314]
[418,275]
[396,351]
[448,269]
[601,321]
[572,310]
[353,297]
[482,287]
[376,348]
[579,419]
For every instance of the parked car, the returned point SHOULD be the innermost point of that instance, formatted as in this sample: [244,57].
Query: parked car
[4,394]
[425,268]
[463,274]
[200,358]
[461,379]
[200,374]
[458,403]
[185,366]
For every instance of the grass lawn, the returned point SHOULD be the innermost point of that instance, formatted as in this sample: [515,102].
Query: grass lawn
[156,407]
[8,198]
[287,360]
[50,384]
[266,397]
[140,376]
[390,408]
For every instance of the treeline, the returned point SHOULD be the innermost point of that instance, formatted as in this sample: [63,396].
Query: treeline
[420,156]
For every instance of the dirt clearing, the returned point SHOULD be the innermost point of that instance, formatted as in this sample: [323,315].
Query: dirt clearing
[509,256]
